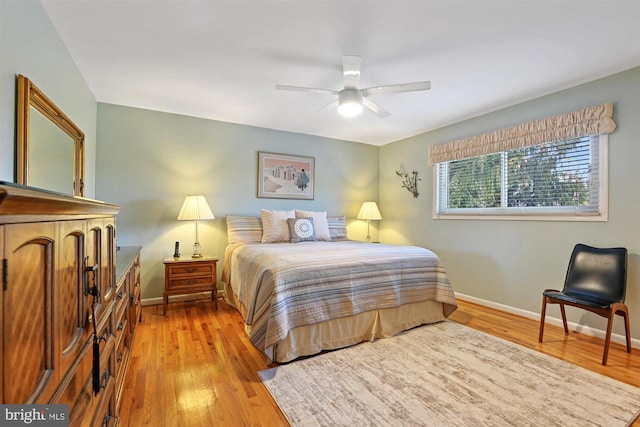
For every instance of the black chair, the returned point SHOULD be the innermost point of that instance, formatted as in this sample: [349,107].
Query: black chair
[596,281]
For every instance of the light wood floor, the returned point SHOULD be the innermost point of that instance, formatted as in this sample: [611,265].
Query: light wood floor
[196,367]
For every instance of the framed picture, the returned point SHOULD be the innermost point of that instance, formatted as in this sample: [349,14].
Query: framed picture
[283,176]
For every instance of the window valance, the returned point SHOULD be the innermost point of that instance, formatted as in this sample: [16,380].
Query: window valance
[594,120]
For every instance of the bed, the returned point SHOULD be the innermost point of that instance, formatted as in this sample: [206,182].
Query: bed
[326,292]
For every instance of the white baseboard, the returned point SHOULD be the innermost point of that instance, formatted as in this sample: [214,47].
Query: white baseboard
[177,298]
[598,333]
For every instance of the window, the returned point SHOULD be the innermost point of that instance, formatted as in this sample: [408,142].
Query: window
[558,180]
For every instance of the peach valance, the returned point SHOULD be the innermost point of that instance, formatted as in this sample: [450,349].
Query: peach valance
[596,120]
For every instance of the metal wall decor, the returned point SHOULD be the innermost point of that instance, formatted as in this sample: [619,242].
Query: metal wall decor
[409,180]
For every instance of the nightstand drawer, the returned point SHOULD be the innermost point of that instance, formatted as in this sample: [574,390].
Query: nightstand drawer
[189,281]
[196,268]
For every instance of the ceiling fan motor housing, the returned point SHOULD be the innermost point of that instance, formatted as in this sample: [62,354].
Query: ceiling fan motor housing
[350,102]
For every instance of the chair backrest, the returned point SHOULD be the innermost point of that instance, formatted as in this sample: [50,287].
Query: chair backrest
[597,274]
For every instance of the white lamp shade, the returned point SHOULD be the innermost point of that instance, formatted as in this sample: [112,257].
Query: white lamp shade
[369,210]
[195,208]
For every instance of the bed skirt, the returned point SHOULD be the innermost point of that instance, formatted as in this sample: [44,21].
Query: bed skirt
[346,331]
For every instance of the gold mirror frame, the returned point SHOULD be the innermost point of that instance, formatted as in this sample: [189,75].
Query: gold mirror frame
[30,96]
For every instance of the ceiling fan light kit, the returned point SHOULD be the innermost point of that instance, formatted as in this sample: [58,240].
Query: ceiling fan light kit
[352,100]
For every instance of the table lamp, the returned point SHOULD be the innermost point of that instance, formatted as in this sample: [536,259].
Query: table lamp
[370,212]
[195,208]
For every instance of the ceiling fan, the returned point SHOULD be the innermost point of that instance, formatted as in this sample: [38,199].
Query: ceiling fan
[351,99]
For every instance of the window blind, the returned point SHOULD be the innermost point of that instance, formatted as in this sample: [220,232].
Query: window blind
[552,177]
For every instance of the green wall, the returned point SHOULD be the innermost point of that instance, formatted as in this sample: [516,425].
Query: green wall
[30,45]
[149,161]
[512,262]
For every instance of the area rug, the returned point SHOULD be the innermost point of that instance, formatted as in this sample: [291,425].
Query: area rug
[446,374]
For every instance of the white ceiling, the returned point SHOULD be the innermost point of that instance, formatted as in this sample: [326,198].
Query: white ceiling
[220,60]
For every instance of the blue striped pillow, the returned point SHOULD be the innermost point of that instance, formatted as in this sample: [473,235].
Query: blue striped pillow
[337,227]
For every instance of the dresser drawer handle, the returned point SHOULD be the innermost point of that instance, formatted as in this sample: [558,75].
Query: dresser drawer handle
[105,378]
[120,326]
[120,294]
[106,421]
[191,270]
[105,333]
[120,356]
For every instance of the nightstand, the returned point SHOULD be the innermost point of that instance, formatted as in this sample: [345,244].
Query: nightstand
[189,276]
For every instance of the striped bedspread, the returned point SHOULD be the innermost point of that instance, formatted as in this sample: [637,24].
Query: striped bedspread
[285,285]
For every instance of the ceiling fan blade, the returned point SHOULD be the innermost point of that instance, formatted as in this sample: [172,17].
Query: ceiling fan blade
[404,87]
[331,104]
[381,112]
[307,89]
[351,70]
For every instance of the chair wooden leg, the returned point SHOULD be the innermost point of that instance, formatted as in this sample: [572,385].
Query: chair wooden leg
[623,310]
[542,316]
[564,318]
[607,338]
[627,331]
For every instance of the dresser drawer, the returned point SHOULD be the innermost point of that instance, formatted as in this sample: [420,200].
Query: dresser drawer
[105,415]
[87,405]
[121,293]
[121,359]
[135,310]
[73,381]
[120,316]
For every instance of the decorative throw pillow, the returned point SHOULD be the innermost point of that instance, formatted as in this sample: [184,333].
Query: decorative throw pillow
[244,229]
[338,227]
[319,222]
[274,225]
[301,230]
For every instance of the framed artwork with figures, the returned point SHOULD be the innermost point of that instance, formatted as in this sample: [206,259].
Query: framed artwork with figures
[285,176]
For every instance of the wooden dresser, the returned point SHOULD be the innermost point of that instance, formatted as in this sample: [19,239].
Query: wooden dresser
[58,257]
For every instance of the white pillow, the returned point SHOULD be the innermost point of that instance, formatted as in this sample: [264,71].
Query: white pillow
[274,225]
[319,222]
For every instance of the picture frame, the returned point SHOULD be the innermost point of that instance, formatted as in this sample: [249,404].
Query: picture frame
[286,176]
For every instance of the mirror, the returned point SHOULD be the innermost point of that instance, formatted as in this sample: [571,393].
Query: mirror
[50,148]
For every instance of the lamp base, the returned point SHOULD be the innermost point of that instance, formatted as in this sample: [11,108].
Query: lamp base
[197,253]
